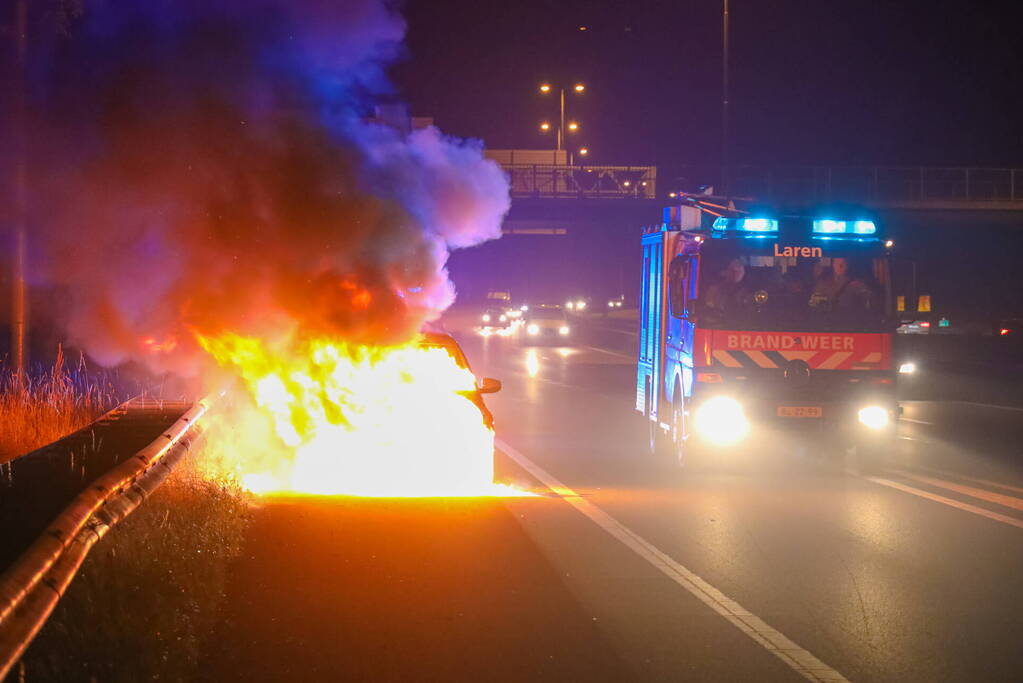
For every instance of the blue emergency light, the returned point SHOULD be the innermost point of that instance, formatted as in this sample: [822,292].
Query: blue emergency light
[833,227]
[746,224]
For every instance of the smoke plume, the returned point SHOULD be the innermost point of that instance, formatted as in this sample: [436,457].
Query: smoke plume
[204,166]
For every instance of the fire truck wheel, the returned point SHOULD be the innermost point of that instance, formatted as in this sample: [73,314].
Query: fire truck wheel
[679,446]
[653,438]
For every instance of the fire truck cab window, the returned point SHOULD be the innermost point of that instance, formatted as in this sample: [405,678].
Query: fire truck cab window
[678,282]
[767,290]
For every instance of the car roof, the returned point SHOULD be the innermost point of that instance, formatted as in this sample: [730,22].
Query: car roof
[445,341]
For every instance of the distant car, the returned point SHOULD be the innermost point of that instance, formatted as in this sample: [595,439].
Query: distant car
[1008,328]
[616,302]
[914,327]
[544,324]
[578,304]
[488,385]
[495,318]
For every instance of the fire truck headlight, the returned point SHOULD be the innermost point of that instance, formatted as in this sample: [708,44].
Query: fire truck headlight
[563,330]
[874,417]
[533,329]
[722,421]
[907,368]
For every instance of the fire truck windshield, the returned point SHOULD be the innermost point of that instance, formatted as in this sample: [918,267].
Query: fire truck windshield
[800,289]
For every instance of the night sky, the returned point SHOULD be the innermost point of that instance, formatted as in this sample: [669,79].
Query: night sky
[813,82]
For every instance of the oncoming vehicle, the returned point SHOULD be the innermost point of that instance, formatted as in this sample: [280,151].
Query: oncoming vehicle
[488,385]
[544,324]
[494,320]
[758,324]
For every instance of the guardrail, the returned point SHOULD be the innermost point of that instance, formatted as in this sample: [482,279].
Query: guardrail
[31,587]
[868,184]
[541,181]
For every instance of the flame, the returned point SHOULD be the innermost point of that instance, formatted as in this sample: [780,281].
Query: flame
[153,346]
[357,420]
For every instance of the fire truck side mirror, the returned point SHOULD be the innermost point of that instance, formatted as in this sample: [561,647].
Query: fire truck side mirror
[694,310]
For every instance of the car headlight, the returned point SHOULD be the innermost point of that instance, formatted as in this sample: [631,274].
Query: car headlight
[580,305]
[486,317]
[503,317]
[563,330]
[874,417]
[610,304]
[907,368]
[570,305]
[722,421]
[533,328]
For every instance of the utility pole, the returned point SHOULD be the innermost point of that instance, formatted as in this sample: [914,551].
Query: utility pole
[561,128]
[18,307]
[725,179]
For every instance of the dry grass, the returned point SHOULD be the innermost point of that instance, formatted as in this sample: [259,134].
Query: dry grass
[144,604]
[40,408]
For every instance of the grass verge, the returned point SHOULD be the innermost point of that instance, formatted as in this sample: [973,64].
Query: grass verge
[37,409]
[146,600]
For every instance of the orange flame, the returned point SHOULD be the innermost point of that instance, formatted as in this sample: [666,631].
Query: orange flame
[335,418]
[166,346]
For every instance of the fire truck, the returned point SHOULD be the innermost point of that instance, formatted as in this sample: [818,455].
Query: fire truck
[758,324]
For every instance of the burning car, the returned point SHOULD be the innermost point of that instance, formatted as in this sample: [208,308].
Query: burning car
[488,385]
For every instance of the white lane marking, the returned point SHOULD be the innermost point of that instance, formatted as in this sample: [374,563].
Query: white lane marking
[988,405]
[916,422]
[612,353]
[962,403]
[981,494]
[975,480]
[800,660]
[966,507]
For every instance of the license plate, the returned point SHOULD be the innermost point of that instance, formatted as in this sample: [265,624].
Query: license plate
[799,411]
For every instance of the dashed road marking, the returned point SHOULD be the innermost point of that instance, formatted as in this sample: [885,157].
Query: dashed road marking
[981,494]
[612,353]
[916,422]
[975,480]
[989,405]
[966,507]
[799,659]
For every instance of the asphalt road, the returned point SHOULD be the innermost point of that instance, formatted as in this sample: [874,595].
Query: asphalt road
[775,564]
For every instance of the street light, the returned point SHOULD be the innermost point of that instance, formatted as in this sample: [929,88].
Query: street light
[583,151]
[546,88]
[545,126]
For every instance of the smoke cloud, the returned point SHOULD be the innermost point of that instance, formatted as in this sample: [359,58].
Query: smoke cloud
[204,166]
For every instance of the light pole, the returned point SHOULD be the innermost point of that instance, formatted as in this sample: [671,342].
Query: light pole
[545,89]
[725,180]
[19,316]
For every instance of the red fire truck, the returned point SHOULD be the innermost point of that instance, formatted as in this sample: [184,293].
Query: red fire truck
[755,324]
